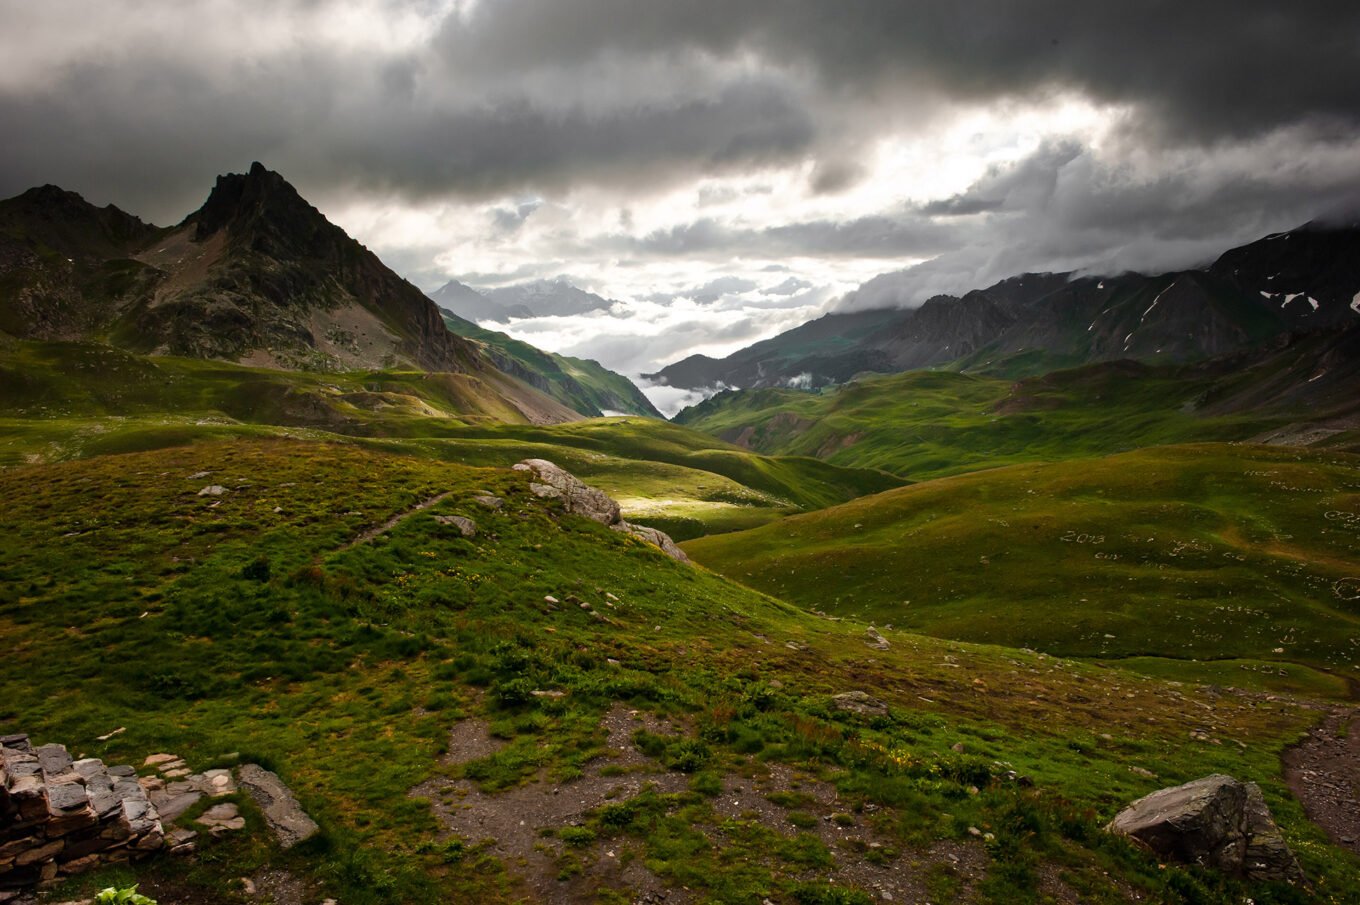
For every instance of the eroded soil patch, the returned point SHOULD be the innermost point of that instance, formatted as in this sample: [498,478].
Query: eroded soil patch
[518,826]
[1324,773]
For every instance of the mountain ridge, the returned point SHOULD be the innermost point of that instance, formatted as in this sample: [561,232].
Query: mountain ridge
[1304,279]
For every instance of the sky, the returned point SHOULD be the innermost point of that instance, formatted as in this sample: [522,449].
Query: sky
[724,170]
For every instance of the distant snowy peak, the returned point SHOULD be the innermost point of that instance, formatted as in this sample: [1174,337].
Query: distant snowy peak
[469,304]
[549,298]
[541,298]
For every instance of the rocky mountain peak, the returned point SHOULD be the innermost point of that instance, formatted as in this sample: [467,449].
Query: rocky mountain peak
[259,202]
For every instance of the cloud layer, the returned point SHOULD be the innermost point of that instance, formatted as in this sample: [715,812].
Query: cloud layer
[724,168]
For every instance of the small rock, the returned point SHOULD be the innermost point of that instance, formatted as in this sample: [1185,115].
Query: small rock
[466,526]
[212,490]
[222,818]
[860,702]
[873,639]
[1143,772]
[247,886]
[487,501]
[957,748]
[548,598]
[158,759]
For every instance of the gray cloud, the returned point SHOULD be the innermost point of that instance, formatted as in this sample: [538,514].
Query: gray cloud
[903,234]
[534,95]
[1201,70]
[1066,208]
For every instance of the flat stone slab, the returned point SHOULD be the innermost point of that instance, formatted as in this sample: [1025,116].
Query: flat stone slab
[222,818]
[285,816]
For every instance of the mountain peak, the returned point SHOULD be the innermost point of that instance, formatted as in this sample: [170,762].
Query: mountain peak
[243,199]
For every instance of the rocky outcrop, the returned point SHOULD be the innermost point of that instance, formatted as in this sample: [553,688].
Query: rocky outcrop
[60,816]
[552,482]
[1215,822]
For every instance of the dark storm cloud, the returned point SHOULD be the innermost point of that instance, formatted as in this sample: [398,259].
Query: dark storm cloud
[529,95]
[1197,70]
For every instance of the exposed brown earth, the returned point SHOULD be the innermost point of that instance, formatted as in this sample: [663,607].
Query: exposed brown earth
[517,825]
[1323,771]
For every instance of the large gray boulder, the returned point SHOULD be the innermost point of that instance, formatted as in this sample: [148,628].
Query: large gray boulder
[552,482]
[579,498]
[1215,822]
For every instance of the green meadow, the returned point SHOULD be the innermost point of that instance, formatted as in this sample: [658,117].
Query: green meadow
[251,622]
[1188,553]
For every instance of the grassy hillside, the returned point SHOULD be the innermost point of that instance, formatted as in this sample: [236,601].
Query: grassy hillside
[926,424]
[582,384]
[253,622]
[1208,552]
[67,400]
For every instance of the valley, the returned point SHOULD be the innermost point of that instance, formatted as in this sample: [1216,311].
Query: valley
[942,618]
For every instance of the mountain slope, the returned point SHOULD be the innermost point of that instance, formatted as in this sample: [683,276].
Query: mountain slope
[1301,388]
[1301,280]
[584,385]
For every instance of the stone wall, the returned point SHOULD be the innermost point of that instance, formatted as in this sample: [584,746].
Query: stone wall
[61,816]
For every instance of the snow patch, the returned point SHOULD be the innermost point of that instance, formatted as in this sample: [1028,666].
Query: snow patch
[1289,297]
[1355,303]
[1314,302]
[1267,295]
[1154,302]
[1316,376]
[802,381]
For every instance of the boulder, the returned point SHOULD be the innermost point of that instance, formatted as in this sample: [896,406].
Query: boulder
[553,482]
[654,537]
[281,810]
[1215,822]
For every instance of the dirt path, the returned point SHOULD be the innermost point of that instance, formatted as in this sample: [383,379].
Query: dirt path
[1324,773]
[396,520]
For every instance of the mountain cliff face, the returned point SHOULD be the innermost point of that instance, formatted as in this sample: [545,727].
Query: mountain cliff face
[256,275]
[1304,280]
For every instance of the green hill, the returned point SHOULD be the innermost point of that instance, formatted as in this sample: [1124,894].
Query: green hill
[927,424]
[1196,553]
[67,400]
[273,621]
